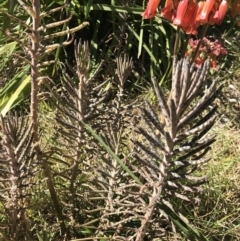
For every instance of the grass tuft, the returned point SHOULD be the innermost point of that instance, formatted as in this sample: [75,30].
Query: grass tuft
[218,215]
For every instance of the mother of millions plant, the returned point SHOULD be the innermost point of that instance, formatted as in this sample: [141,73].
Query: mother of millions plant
[102,185]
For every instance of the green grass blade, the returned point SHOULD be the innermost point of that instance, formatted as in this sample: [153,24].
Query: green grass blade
[10,87]
[148,50]
[16,97]
[140,41]
[88,8]
[8,47]
[6,54]
[119,9]
[191,233]
[110,152]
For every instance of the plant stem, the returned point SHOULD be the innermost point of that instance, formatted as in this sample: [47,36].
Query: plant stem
[34,68]
[199,43]
[36,19]
[175,51]
[185,46]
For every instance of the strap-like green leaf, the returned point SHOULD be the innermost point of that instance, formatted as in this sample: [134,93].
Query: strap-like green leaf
[16,97]
[8,47]
[111,153]
[119,9]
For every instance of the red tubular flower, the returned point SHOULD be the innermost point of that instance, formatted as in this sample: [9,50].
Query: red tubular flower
[168,11]
[203,15]
[181,10]
[189,24]
[200,8]
[190,14]
[223,7]
[151,9]
[218,12]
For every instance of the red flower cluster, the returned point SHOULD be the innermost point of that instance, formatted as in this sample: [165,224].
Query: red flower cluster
[189,14]
[208,49]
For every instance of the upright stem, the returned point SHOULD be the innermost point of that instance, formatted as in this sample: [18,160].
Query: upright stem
[36,19]
[200,42]
[175,51]
[34,68]
[185,46]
